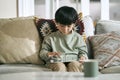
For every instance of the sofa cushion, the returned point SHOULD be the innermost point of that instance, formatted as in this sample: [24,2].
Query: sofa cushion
[19,41]
[113,69]
[106,48]
[106,26]
[18,68]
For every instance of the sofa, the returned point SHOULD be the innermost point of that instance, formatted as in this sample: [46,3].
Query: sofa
[20,43]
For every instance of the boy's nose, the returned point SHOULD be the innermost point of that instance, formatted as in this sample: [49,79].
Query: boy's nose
[65,28]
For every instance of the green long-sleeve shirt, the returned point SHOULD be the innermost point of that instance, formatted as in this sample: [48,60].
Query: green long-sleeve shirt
[64,44]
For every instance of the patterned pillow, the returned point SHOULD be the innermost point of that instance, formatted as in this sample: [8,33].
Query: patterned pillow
[106,48]
[47,26]
[79,27]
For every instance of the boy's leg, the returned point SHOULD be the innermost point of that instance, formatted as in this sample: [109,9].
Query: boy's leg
[74,66]
[59,66]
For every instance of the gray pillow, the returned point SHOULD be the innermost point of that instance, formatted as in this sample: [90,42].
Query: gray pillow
[106,26]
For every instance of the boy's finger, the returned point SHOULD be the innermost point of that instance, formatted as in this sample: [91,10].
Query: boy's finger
[58,54]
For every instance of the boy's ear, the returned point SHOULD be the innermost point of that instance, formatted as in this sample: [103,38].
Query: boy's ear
[55,22]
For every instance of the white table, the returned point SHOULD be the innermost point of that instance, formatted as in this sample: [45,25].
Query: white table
[55,76]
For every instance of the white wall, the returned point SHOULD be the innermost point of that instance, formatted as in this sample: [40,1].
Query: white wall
[40,6]
[94,11]
[8,8]
[25,8]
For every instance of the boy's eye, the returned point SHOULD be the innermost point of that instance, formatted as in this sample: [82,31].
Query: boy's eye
[62,26]
[69,25]
[65,25]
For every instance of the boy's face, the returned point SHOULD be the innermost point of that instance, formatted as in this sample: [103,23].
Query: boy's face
[65,29]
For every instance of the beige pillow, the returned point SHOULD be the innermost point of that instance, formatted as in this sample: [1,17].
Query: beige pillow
[19,41]
[106,48]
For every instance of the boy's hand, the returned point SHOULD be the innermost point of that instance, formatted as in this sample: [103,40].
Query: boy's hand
[82,58]
[51,54]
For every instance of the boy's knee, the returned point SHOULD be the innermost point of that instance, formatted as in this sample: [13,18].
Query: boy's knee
[58,67]
[75,66]
[74,63]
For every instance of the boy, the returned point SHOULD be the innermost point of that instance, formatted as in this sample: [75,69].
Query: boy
[64,42]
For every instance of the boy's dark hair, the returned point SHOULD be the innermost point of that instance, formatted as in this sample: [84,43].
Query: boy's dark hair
[66,15]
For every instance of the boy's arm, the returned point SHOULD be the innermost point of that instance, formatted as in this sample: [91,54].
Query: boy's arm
[83,49]
[83,53]
[45,49]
